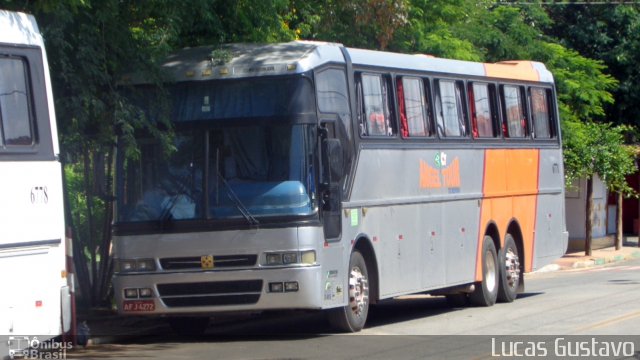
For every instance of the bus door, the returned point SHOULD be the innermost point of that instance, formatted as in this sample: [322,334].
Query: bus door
[336,145]
[331,175]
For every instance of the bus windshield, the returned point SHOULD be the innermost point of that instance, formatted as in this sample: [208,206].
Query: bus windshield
[242,149]
[221,173]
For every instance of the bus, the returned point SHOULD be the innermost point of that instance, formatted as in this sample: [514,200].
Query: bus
[309,175]
[36,296]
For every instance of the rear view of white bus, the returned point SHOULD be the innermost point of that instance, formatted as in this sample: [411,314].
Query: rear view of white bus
[35,297]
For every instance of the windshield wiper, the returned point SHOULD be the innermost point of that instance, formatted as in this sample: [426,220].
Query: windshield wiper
[236,200]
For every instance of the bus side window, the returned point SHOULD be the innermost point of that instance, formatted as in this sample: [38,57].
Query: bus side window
[450,112]
[482,113]
[540,113]
[375,116]
[15,114]
[413,110]
[515,125]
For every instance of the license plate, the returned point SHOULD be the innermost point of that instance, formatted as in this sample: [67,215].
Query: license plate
[138,305]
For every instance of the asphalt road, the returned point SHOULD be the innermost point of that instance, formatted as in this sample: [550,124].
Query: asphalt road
[592,312]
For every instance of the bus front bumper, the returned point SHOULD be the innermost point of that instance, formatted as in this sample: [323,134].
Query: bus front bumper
[210,292]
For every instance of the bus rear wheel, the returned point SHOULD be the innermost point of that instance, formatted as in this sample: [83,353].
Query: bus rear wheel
[352,317]
[510,270]
[486,291]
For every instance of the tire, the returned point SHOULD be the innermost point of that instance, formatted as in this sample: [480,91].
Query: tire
[510,270]
[353,316]
[189,326]
[486,291]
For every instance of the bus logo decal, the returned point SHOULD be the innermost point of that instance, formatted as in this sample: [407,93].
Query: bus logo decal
[442,176]
[206,262]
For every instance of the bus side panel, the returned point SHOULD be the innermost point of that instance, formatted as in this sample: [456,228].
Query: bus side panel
[459,227]
[550,241]
[393,214]
[32,248]
[421,215]
[510,188]
[460,172]
[433,246]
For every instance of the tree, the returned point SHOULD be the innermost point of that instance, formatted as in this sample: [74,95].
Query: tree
[595,148]
[610,33]
[368,24]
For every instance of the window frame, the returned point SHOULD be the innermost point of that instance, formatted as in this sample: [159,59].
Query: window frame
[551,115]
[30,114]
[387,99]
[461,108]
[427,118]
[494,113]
[525,121]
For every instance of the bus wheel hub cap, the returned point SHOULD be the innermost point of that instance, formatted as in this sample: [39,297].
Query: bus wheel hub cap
[513,268]
[358,291]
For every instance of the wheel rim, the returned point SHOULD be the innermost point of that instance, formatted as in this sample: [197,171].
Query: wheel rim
[490,276]
[512,266]
[358,291]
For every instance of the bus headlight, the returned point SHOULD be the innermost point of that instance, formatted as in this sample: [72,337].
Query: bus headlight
[274,259]
[289,258]
[307,257]
[125,265]
[145,265]
[134,265]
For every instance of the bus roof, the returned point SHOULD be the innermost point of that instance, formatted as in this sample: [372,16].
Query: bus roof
[19,28]
[244,60]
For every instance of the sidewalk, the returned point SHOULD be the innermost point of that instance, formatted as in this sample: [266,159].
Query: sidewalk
[578,260]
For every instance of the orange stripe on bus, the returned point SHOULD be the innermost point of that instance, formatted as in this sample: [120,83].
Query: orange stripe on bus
[517,70]
[510,188]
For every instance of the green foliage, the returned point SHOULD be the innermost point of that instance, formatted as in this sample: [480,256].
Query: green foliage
[610,34]
[595,148]
[368,23]
[582,85]
[434,28]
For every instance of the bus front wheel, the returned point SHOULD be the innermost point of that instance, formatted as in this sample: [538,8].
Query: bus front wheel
[486,291]
[352,317]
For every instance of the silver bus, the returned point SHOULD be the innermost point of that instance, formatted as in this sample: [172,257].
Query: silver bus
[308,175]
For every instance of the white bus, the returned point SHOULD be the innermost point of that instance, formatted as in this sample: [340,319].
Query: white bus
[35,298]
[314,176]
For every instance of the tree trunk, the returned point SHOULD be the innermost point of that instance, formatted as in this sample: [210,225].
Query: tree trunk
[588,220]
[80,270]
[619,222]
[105,247]
[91,242]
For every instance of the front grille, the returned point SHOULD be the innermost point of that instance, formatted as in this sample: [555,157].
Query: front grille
[212,293]
[212,300]
[221,261]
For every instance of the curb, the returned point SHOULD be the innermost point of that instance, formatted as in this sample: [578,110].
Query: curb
[588,263]
[600,261]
